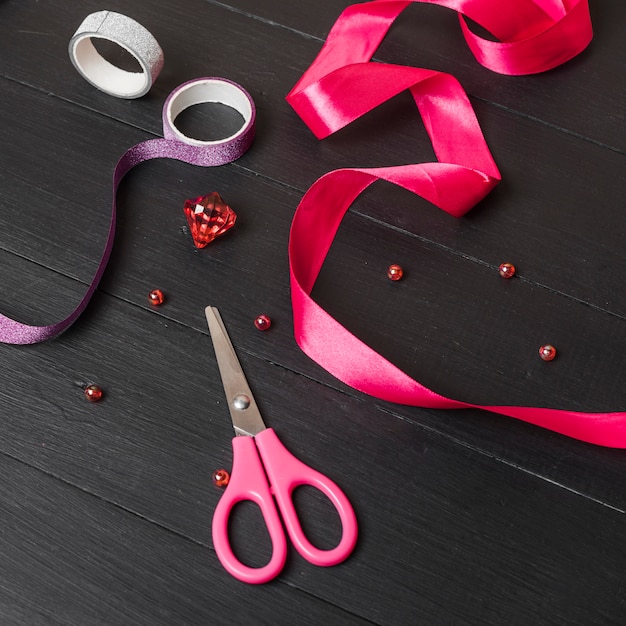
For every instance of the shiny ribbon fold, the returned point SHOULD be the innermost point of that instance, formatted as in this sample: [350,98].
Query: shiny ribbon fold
[343,84]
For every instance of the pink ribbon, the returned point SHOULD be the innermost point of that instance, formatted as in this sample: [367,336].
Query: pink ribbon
[343,84]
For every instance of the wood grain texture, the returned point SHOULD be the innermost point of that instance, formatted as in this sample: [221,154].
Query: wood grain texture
[465,517]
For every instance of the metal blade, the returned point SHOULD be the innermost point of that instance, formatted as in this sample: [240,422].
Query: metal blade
[244,412]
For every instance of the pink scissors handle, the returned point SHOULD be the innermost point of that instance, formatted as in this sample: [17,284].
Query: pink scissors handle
[248,482]
[285,473]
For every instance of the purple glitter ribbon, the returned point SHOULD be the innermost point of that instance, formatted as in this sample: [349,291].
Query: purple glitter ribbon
[174,145]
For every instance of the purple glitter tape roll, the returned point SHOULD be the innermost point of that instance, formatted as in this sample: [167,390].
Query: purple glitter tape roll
[174,145]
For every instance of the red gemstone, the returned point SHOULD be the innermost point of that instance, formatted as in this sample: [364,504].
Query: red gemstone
[221,477]
[93,393]
[208,217]
[547,352]
[263,322]
[507,270]
[395,272]
[156,297]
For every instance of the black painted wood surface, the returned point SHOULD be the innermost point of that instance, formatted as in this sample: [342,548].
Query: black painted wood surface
[465,517]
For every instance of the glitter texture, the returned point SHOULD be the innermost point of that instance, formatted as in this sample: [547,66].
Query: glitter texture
[203,153]
[126,33]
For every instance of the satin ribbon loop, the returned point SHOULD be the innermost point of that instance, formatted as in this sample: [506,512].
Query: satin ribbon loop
[532,35]
[540,50]
[340,86]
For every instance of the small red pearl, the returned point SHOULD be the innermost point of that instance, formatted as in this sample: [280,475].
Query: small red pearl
[221,477]
[263,322]
[156,297]
[93,393]
[547,352]
[395,272]
[507,270]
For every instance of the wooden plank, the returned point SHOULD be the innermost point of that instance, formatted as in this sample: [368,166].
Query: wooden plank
[532,211]
[429,36]
[495,367]
[433,514]
[465,517]
[71,558]
[538,97]
[536,207]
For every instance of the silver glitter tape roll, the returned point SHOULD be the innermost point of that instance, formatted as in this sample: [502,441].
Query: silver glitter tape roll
[126,33]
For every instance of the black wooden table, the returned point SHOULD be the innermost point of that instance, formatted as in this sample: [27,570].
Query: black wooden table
[466,517]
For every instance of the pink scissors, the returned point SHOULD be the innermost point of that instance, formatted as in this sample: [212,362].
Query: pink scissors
[266,473]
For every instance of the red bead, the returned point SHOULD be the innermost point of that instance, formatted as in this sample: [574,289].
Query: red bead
[263,322]
[395,272]
[93,393]
[547,352]
[156,297]
[221,477]
[507,270]
[208,217]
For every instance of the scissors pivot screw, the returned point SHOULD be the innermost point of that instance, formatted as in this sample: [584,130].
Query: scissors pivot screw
[241,402]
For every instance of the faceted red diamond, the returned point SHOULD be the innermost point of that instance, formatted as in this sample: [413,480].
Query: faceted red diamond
[208,217]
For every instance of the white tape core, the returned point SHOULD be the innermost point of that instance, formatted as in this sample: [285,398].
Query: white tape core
[209,90]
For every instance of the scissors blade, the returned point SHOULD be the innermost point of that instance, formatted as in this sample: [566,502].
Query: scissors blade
[243,409]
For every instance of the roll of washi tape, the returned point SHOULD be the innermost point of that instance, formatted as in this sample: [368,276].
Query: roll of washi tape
[126,33]
[174,145]
[200,91]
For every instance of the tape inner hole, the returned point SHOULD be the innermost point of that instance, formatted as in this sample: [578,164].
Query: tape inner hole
[209,121]
[115,54]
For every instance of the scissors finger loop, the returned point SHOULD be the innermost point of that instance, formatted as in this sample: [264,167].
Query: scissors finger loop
[285,473]
[248,483]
